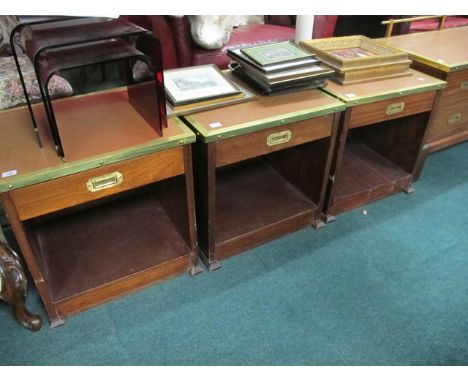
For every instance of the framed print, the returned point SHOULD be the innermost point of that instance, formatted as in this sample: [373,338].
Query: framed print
[269,54]
[243,59]
[358,59]
[175,111]
[351,53]
[197,83]
[354,51]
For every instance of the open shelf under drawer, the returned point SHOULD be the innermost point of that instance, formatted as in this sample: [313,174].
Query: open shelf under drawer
[99,245]
[365,176]
[252,197]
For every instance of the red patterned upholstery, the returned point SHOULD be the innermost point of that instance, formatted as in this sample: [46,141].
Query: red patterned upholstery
[433,24]
[324,26]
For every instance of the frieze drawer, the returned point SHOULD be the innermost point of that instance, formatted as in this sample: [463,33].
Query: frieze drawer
[251,145]
[44,198]
[390,109]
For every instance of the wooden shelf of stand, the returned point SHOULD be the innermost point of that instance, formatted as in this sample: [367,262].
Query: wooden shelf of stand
[442,54]
[261,170]
[381,146]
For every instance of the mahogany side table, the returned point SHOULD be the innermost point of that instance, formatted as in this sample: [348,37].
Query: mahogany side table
[380,149]
[117,216]
[261,169]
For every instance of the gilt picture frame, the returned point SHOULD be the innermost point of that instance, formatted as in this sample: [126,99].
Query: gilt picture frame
[352,52]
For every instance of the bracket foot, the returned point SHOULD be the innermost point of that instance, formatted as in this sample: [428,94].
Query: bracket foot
[409,190]
[195,270]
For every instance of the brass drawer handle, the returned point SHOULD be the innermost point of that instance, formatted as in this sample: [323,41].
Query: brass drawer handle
[464,85]
[395,108]
[102,182]
[279,138]
[454,118]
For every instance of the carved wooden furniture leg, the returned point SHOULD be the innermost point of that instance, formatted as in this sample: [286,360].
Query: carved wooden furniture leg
[13,287]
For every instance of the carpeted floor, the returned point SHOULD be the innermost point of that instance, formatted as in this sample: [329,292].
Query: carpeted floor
[386,288]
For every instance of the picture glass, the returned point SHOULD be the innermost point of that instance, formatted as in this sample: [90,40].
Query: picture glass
[273,53]
[197,83]
[351,53]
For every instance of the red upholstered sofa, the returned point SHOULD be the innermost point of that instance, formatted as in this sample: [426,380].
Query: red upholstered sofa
[179,50]
[433,24]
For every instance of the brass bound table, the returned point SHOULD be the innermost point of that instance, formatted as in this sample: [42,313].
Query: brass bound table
[442,54]
[261,169]
[381,135]
[117,216]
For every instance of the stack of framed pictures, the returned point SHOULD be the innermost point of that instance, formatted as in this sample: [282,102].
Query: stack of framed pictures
[279,68]
[198,88]
[358,59]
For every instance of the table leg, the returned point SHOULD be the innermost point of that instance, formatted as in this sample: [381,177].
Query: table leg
[13,286]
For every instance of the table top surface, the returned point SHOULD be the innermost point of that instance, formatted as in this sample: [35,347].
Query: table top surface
[87,145]
[445,49]
[373,91]
[261,113]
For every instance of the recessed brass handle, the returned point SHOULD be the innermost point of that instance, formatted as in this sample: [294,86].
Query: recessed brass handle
[102,182]
[279,138]
[464,85]
[454,118]
[395,108]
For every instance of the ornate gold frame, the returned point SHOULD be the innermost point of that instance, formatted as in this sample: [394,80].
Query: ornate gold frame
[381,54]
[372,60]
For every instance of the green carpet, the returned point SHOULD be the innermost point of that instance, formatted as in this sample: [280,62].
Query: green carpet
[386,288]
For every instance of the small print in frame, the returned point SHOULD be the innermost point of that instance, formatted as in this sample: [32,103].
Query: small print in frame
[351,53]
[196,84]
